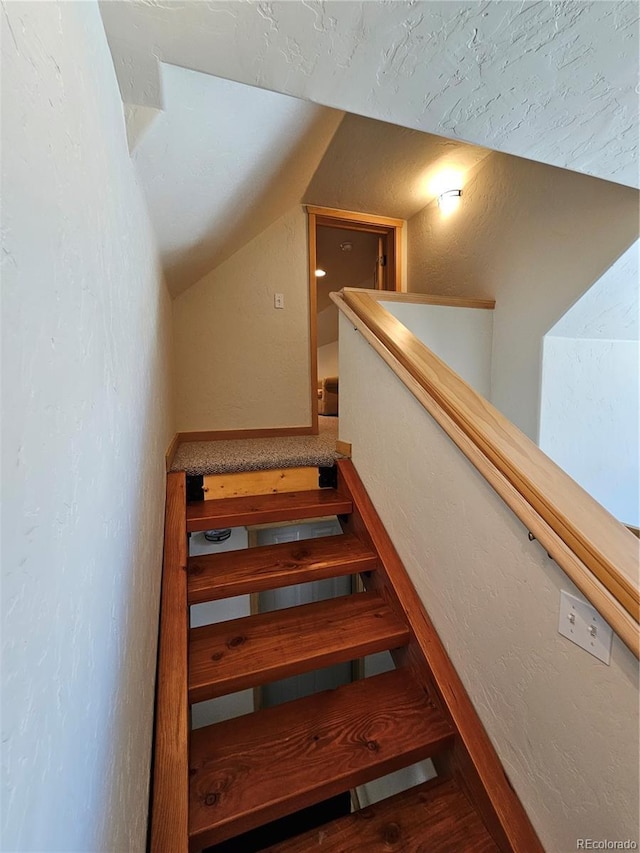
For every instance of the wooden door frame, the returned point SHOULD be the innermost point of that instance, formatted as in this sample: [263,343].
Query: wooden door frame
[331,218]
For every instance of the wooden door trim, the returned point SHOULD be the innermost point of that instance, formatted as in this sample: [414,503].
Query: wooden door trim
[355,217]
[334,218]
[313,321]
[387,225]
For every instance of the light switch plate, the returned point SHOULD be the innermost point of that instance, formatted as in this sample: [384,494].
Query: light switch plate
[583,625]
[278,300]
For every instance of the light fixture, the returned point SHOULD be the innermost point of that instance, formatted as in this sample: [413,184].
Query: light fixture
[449,200]
[320,273]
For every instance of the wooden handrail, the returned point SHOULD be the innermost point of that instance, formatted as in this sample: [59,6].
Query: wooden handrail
[170,794]
[424,298]
[589,544]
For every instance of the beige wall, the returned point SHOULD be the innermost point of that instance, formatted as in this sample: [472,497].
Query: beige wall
[328,360]
[564,724]
[85,424]
[533,237]
[239,362]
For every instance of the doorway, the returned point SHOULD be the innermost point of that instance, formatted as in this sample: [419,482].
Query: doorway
[345,250]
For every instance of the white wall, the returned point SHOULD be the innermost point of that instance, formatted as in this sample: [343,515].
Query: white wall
[85,326]
[533,238]
[328,360]
[565,725]
[240,362]
[589,418]
[461,337]
[590,399]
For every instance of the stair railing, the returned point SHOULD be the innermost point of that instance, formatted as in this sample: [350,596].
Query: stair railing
[596,552]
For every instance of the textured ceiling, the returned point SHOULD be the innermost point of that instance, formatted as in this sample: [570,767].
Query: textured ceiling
[220,163]
[375,167]
[550,81]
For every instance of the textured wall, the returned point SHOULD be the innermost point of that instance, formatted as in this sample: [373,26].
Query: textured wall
[590,390]
[589,420]
[328,360]
[85,334]
[534,238]
[461,337]
[239,362]
[554,82]
[611,308]
[564,724]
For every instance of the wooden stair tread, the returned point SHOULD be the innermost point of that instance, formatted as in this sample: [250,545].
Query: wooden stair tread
[262,509]
[215,576]
[435,816]
[241,653]
[257,768]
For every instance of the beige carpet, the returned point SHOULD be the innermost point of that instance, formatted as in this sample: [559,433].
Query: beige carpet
[260,454]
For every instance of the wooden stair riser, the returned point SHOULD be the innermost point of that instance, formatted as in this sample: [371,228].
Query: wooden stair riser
[265,509]
[216,576]
[229,656]
[254,769]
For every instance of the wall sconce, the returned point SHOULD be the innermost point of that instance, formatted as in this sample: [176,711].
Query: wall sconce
[449,200]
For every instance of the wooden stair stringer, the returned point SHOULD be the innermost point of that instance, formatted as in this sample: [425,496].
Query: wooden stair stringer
[473,760]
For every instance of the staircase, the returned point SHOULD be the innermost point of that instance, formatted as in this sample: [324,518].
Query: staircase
[249,771]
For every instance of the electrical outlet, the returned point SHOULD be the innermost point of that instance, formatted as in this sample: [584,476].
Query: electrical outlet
[583,625]
[278,300]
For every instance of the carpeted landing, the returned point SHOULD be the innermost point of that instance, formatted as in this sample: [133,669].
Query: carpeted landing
[260,454]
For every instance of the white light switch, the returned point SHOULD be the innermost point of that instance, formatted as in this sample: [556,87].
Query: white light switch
[582,624]
[278,300]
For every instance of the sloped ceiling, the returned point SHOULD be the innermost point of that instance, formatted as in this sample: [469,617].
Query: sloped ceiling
[375,167]
[609,309]
[550,81]
[220,163]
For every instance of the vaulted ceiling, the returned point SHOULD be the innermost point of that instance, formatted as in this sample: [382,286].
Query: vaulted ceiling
[222,161]
[375,167]
[219,161]
[554,82]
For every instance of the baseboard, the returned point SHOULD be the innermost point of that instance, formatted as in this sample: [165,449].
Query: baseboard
[234,434]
